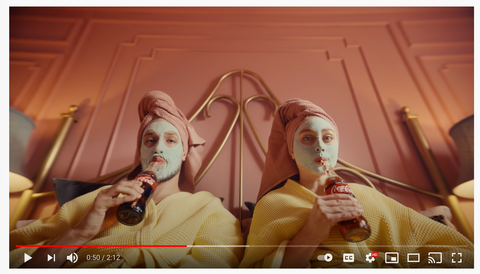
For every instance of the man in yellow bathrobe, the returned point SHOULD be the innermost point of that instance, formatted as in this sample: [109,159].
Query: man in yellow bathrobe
[295,224]
[180,229]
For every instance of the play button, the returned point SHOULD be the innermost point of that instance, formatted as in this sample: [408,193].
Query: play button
[26,258]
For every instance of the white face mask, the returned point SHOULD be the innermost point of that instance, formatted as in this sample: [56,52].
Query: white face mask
[162,139]
[314,139]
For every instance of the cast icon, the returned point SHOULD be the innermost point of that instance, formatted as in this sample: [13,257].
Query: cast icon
[434,257]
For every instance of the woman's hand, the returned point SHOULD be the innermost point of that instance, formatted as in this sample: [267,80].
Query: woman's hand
[326,212]
[329,210]
[102,214]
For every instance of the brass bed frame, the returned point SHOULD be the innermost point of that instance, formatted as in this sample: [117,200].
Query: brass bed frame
[28,197]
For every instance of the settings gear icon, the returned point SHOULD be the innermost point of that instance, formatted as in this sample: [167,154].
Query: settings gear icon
[369,258]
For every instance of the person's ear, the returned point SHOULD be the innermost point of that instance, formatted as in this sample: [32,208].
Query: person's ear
[184,156]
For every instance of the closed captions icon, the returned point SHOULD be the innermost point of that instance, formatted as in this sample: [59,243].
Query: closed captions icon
[348,257]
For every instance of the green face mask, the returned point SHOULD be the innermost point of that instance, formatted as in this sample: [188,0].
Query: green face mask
[162,139]
[315,138]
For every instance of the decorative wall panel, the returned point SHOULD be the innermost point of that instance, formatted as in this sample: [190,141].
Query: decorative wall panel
[361,65]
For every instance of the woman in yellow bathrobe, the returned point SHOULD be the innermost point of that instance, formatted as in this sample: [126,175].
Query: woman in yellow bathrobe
[294,223]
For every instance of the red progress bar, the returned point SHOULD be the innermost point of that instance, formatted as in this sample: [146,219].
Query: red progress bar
[101,245]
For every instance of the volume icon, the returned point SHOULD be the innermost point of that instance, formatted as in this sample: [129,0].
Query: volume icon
[72,257]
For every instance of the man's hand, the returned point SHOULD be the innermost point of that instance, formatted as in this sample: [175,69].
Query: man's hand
[102,214]
[99,217]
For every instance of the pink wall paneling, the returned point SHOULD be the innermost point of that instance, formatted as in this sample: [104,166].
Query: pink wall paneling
[361,65]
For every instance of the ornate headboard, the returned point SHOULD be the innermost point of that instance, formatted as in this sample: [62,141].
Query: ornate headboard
[443,193]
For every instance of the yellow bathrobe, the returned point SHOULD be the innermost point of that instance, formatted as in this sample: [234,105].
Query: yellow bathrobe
[179,219]
[281,213]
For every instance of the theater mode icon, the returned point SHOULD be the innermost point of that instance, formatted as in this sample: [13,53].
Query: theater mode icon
[413,257]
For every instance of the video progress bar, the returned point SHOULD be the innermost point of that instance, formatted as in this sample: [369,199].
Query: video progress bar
[319,246]
[132,245]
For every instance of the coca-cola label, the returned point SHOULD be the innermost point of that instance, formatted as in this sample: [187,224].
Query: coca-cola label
[145,178]
[338,187]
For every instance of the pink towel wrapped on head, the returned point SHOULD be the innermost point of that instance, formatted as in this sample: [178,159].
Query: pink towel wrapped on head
[279,164]
[157,104]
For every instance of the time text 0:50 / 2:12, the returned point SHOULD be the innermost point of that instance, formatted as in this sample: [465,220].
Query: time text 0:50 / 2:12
[103,257]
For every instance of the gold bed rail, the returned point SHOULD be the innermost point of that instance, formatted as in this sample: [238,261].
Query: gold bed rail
[411,121]
[435,172]
[27,199]
[445,195]
[239,114]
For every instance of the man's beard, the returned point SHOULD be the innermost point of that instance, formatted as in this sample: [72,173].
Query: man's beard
[164,175]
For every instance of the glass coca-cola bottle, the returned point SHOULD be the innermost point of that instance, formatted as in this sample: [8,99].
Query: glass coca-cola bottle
[132,213]
[354,230]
